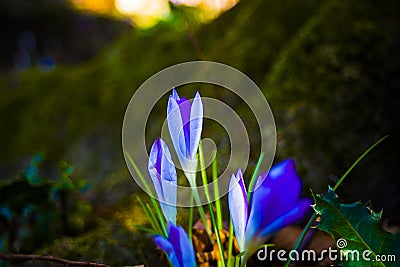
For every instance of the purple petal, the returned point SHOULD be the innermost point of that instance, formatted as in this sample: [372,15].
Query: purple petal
[175,127]
[238,207]
[169,184]
[154,167]
[175,94]
[258,212]
[168,248]
[182,245]
[184,111]
[185,107]
[297,213]
[163,174]
[278,193]
[196,125]
[185,125]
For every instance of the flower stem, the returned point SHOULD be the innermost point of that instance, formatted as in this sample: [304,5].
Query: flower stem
[202,213]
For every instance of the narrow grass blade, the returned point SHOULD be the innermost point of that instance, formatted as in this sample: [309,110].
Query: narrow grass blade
[254,176]
[146,229]
[217,236]
[214,223]
[190,228]
[218,209]
[357,161]
[237,261]
[153,217]
[153,222]
[197,200]
[148,189]
[203,171]
[230,245]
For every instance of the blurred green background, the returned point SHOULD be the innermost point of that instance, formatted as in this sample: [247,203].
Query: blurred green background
[329,69]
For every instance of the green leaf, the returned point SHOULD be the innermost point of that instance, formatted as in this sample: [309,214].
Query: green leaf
[31,172]
[360,227]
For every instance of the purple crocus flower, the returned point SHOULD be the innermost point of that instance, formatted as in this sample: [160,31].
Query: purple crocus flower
[178,247]
[275,203]
[163,174]
[185,123]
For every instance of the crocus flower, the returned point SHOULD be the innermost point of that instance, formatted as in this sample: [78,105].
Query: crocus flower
[185,123]
[163,174]
[275,203]
[178,247]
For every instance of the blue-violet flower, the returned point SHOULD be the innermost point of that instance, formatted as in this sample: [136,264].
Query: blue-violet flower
[163,174]
[275,203]
[185,123]
[178,247]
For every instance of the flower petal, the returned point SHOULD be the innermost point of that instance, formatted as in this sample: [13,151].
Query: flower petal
[169,184]
[184,109]
[185,122]
[292,216]
[196,125]
[175,126]
[238,207]
[258,213]
[154,167]
[163,174]
[277,194]
[183,247]
[168,248]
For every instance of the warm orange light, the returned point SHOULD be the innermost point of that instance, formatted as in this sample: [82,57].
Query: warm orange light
[209,9]
[218,5]
[192,3]
[96,6]
[145,13]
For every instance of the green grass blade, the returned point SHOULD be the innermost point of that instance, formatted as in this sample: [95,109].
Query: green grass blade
[218,208]
[237,261]
[230,244]
[213,221]
[197,197]
[217,236]
[145,229]
[153,222]
[357,161]
[190,228]
[148,189]
[154,217]
[203,171]
[254,176]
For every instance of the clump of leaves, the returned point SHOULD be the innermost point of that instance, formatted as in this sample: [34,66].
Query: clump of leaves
[35,209]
